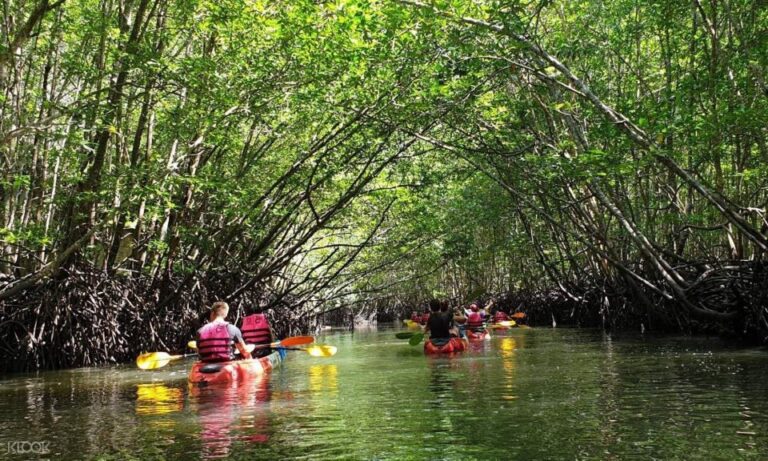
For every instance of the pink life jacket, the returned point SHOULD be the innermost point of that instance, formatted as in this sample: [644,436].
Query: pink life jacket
[500,316]
[214,343]
[475,321]
[255,329]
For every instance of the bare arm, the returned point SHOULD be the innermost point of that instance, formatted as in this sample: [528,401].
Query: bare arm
[243,351]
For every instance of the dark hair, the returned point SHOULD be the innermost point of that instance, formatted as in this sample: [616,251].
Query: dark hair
[435,305]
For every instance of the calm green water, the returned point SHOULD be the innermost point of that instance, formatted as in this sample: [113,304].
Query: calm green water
[527,394]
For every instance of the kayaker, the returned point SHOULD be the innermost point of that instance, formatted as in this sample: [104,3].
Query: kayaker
[440,322]
[455,329]
[425,316]
[216,339]
[475,321]
[500,316]
[257,330]
[415,317]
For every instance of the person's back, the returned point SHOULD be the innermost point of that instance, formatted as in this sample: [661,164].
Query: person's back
[439,325]
[215,342]
[256,330]
[217,339]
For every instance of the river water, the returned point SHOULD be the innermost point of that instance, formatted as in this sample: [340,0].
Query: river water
[526,394]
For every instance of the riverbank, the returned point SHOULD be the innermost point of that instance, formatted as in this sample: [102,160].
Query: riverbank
[88,318]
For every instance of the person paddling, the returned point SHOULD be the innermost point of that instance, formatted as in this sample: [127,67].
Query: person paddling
[456,320]
[216,339]
[475,319]
[257,330]
[500,316]
[425,316]
[440,323]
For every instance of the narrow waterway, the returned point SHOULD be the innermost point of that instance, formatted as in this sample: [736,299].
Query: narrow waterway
[526,394]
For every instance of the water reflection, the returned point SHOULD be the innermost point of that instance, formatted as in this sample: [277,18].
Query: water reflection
[229,414]
[577,395]
[507,347]
[323,378]
[442,380]
[158,399]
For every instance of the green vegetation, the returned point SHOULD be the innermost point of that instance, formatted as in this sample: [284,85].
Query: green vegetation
[606,159]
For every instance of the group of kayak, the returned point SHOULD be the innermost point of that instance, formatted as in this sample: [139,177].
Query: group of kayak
[228,354]
[452,331]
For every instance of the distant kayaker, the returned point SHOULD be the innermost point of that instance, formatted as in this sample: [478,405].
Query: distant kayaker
[500,316]
[217,339]
[257,330]
[425,316]
[475,320]
[415,317]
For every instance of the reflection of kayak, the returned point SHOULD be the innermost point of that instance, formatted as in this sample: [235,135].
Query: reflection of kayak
[498,326]
[239,370]
[230,415]
[477,335]
[445,347]
[411,324]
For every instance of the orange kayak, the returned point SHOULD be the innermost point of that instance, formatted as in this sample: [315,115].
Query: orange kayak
[453,345]
[476,335]
[204,374]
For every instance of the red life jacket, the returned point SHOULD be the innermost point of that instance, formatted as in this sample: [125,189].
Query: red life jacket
[214,343]
[500,316]
[424,318]
[416,318]
[255,329]
[475,321]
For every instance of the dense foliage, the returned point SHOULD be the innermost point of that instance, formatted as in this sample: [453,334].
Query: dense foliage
[600,161]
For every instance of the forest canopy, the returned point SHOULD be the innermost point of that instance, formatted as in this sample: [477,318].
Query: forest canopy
[599,163]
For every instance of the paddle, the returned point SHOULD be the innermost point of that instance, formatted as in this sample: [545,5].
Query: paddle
[416,339]
[290,341]
[155,360]
[317,350]
[413,338]
[507,323]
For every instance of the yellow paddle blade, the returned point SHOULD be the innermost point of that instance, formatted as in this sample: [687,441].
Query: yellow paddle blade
[192,344]
[321,350]
[154,360]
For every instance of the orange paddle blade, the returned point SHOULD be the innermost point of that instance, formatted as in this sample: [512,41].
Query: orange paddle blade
[518,315]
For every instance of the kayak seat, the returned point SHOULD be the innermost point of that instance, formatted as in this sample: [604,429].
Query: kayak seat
[440,342]
[210,368]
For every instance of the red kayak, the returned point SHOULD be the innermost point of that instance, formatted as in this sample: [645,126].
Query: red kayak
[477,335]
[445,347]
[203,374]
